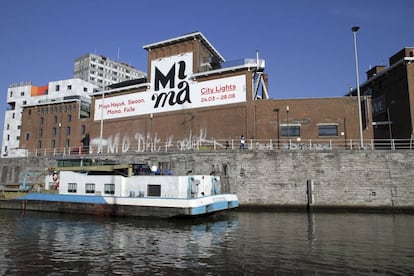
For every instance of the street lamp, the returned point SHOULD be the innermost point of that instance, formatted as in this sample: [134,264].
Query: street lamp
[277,126]
[101,126]
[390,123]
[355,30]
[287,120]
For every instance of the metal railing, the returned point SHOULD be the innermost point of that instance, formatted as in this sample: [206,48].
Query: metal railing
[200,145]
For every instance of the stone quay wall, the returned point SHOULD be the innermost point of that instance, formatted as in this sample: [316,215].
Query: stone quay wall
[274,179]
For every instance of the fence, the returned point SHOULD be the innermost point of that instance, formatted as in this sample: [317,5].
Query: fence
[125,147]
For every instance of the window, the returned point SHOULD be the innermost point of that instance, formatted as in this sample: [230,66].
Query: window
[41,132]
[30,112]
[8,127]
[72,187]
[290,131]
[57,87]
[109,189]
[39,144]
[19,127]
[55,119]
[67,143]
[68,131]
[328,130]
[22,93]
[89,188]
[69,87]
[42,120]
[27,136]
[17,138]
[53,144]
[154,190]
[54,131]
[69,118]
[83,129]
[85,89]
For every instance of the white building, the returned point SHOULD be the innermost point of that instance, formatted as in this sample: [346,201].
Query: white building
[102,71]
[25,94]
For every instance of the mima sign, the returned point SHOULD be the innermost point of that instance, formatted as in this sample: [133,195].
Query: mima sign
[172,90]
[170,80]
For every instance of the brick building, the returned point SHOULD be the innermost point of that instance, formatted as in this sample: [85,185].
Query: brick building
[193,94]
[392,92]
[34,119]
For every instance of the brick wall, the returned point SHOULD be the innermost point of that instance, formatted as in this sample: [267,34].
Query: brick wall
[339,179]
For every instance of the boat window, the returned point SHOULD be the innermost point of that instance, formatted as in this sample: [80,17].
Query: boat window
[90,188]
[72,187]
[154,190]
[109,189]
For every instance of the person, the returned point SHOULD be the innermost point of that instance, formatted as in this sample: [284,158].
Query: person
[242,142]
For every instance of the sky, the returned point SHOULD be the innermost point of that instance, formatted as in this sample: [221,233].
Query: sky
[308,45]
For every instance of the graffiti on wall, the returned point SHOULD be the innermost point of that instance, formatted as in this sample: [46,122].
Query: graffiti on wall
[141,143]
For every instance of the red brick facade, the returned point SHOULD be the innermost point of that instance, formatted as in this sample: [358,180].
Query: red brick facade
[255,119]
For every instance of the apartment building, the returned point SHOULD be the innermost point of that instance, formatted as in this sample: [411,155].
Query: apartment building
[21,96]
[392,91]
[102,71]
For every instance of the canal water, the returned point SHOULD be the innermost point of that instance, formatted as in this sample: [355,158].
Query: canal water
[235,243]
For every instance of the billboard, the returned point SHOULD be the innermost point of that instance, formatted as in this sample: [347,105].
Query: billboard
[173,89]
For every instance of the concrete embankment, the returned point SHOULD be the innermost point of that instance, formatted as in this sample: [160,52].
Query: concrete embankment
[276,179]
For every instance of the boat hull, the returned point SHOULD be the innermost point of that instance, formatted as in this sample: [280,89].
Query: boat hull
[124,206]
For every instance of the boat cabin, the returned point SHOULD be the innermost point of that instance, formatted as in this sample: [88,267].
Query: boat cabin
[84,177]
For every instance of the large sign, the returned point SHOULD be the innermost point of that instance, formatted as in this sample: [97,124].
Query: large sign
[173,89]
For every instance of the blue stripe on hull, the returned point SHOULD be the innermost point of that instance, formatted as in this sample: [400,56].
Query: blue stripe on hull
[233,204]
[214,207]
[198,210]
[64,198]
[217,206]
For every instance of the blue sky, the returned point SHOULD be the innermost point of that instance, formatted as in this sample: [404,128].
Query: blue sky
[307,45]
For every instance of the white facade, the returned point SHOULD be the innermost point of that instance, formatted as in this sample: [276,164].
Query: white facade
[20,96]
[103,71]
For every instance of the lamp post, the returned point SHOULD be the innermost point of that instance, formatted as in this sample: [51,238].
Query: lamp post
[355,30]
[287,120]
[101,127]
[277,126]
[150,132]
[390,123]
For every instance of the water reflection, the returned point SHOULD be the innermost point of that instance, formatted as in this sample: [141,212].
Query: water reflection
[76,244]
[238,243]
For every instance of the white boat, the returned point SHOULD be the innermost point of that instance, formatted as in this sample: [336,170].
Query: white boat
[128,190]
